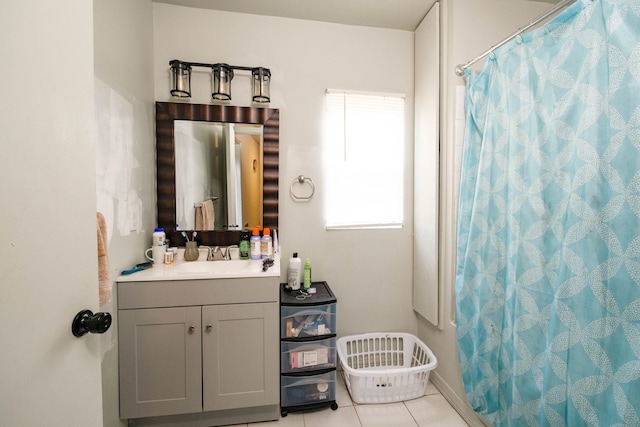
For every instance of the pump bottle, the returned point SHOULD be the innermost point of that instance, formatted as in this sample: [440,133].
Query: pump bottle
[294,272]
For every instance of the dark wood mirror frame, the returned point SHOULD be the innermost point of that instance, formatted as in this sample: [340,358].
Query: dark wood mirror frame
[166,114]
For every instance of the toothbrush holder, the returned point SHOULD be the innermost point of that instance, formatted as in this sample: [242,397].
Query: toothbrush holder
[191,252]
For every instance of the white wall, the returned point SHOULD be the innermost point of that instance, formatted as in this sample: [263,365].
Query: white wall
[369,270]
[125,158]
[469,27]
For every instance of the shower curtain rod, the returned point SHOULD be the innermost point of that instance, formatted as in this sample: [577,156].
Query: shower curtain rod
[460,68]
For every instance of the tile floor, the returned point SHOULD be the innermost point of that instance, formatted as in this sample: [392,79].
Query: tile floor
[431,410]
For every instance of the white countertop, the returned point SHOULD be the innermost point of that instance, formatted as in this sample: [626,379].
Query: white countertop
[202,269]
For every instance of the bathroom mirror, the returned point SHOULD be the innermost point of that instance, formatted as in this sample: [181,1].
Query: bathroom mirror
[218,175]
[168,116]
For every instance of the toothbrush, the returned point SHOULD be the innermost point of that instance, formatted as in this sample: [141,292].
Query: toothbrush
[195,233]
[184,234]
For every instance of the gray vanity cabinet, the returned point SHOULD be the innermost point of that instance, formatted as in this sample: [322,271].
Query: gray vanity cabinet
[160,361]
[212,355]
[239,347]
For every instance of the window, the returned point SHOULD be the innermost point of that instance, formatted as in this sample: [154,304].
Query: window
[364,160]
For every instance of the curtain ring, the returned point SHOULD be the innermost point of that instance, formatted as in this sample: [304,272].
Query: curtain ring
[301,179]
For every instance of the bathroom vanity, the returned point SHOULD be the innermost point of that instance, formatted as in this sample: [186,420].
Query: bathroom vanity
[198,344]
[198,341]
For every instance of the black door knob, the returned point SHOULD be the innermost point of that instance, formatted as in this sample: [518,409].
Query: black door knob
[85,322]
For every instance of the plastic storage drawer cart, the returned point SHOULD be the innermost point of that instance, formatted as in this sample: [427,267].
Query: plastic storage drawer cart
[307,349]
[385,367]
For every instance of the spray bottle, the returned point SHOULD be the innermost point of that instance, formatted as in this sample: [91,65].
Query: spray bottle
[307,275]
[255,244]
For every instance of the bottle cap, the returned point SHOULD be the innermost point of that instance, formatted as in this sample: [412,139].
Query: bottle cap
[256,231]
[295,254]
[267,232]
[158,229]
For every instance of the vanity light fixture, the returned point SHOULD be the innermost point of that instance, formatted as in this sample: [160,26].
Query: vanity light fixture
[260,81]
[221,76]
[180,79]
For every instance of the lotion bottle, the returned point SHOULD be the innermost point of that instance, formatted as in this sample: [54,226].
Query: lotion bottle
[294,272]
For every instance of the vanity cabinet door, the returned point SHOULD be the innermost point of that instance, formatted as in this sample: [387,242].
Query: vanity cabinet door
[160,361]
[240,355]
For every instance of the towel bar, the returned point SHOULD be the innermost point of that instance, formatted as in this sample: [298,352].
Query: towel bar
[199,205]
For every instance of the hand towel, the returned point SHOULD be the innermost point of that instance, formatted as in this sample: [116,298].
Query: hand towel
[104,280]
[198,216]
[208,215]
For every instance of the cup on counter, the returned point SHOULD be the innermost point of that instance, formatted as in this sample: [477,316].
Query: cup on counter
[191,252]
[157,255]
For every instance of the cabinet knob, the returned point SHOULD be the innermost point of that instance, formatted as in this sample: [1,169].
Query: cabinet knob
[209,327]
[192,329]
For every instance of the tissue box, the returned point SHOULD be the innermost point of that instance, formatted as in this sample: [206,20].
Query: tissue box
[309,358]
[300,356]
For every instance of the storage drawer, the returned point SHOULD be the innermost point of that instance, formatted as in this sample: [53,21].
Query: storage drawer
[302,322]
[308,390]
[308,355]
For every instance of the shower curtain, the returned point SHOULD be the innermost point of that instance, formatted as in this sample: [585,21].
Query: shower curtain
[548,259]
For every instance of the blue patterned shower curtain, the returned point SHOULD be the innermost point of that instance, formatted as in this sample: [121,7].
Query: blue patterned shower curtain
[548,261]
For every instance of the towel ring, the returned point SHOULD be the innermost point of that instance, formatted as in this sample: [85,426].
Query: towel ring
[301,179]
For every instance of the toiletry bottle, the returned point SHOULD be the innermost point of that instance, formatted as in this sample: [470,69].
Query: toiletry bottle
[244,246]
[255,244]
[307,275]
[159,237]
[266,244]
[294,272]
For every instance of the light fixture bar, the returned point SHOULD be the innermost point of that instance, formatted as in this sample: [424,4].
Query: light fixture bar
[221,76]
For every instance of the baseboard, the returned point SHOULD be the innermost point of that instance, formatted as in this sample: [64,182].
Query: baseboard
[460,405]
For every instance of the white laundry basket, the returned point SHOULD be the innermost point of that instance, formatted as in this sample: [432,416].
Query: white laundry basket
[385,367]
